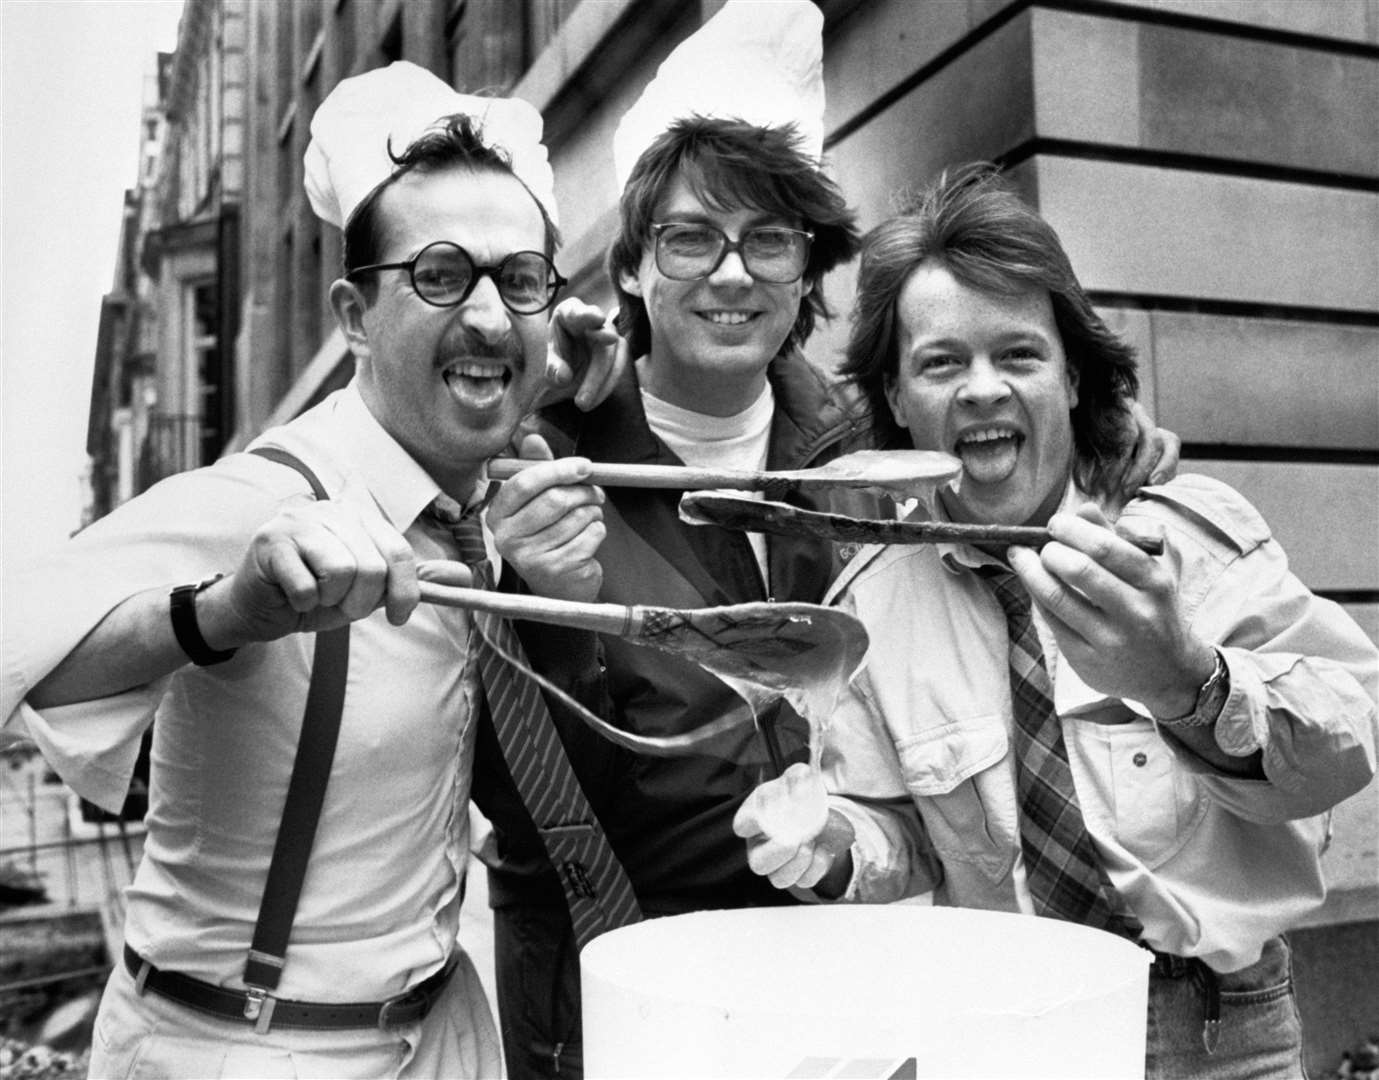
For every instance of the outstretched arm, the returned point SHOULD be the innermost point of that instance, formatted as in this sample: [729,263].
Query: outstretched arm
[1302,680]
[314,566]
[1118,620]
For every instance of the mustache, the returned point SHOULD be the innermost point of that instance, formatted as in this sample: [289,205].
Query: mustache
[463,342]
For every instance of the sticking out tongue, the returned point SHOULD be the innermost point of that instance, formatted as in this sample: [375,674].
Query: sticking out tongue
[989,460]
[477,386]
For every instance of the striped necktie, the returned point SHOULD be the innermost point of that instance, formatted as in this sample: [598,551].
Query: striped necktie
[1065,877]
[597,890]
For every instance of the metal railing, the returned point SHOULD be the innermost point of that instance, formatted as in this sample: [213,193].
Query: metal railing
[173,445]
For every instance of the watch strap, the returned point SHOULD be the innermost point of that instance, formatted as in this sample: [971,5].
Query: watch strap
[182,608]
[1211,698]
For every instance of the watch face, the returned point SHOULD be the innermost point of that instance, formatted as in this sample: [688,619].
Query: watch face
[1210,698]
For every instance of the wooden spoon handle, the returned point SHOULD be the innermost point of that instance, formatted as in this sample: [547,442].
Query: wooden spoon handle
[783,519]
[675,477]
[601,618]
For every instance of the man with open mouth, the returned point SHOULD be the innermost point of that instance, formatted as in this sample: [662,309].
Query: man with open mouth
[296,911]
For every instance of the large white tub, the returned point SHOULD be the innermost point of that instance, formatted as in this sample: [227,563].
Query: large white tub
[863,991]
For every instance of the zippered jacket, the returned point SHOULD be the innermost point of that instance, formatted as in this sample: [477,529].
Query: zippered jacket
[669,819]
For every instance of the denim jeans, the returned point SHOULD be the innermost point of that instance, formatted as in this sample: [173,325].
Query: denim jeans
[1259,1034]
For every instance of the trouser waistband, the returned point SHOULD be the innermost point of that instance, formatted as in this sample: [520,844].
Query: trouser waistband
[264,1011]
[1169,966]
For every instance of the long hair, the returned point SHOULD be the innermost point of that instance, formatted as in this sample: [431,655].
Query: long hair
[973,223]
[729,164]
[456,142]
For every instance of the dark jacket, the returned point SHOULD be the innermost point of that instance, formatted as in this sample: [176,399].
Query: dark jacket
[669,819]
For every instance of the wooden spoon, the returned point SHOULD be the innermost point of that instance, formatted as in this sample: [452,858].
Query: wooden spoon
[764,651]
[899,473]
[756,515]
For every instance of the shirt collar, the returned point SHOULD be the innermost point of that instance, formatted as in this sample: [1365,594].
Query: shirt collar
[399,485]
[959,558]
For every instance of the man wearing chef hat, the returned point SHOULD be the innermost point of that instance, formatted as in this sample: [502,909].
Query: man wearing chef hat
[198,602]
[728,226]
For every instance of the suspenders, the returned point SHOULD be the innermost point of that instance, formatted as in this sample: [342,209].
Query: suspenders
[306,792]
[305,795]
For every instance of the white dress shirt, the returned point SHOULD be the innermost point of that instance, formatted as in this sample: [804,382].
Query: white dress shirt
[379,909]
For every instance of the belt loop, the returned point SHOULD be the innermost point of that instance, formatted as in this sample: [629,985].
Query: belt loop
[1211,1022]
[142,976]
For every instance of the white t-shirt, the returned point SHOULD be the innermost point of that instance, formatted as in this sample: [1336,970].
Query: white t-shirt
[739,441]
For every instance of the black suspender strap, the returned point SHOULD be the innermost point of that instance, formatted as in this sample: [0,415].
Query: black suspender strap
[306,792]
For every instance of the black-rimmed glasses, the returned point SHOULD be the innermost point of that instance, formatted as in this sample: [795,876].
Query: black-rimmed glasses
[686,251]
[444,274]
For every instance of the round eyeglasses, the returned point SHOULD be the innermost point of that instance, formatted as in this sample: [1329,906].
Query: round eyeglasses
[687,252]
[444,274]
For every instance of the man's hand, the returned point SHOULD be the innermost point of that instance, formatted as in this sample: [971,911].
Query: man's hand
[547,522]
[1152,460]
[585,357]
[1115,612]
[793,838]
[315,566]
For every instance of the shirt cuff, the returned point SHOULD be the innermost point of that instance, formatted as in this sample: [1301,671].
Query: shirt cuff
[93,745]
[1235,731]
[885,866]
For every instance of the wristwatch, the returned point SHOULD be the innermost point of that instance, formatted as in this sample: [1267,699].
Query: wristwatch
[1210,698]
[182,608]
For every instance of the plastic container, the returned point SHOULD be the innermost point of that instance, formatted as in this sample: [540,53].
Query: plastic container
[863,991]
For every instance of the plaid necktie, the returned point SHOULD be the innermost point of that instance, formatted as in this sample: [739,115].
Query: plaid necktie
[599,895]
[1065,877]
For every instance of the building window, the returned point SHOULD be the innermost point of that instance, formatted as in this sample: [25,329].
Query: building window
[204,371]
[284,300]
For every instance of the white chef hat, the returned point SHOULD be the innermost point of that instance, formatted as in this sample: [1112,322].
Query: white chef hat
[353,128]
[760,61]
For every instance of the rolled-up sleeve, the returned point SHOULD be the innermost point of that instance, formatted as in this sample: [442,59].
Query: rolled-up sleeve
[1313,718]
[183,529]
[1304,677]
[91,745]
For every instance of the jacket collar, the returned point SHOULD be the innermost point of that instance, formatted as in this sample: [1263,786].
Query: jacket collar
[810,413]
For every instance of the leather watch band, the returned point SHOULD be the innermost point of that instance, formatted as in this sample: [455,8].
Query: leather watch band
[182,607]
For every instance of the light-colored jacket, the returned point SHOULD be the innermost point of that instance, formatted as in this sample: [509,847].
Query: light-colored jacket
[1213,865]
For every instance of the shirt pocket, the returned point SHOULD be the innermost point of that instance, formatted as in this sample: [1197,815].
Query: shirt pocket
[1157,802]
[949,772]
